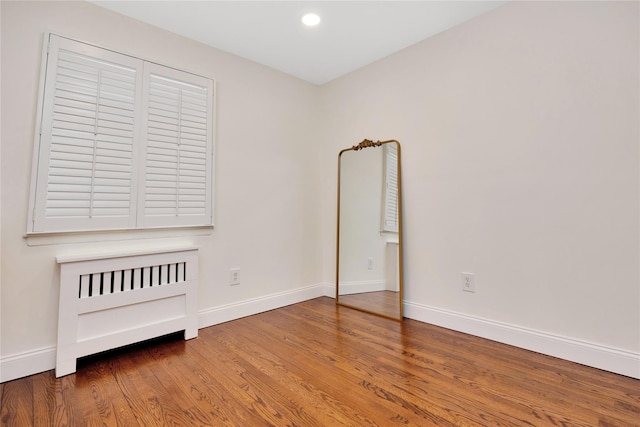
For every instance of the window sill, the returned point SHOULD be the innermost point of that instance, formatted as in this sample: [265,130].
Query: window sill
[59,238]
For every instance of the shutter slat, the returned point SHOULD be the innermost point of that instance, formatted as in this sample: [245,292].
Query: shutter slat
[77,112]
[66,72]
[119,104]
[59,167]
[195,185]
[79,106]
[191,145]
[78,60]
[114,145]
[70,188]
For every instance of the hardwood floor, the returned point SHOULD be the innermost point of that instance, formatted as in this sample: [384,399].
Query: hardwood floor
[385,303]
[315,364]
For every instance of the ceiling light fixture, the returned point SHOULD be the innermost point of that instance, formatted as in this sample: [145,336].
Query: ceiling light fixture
[310,19]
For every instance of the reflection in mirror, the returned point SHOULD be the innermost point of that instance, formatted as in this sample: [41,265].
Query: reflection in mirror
[369,238]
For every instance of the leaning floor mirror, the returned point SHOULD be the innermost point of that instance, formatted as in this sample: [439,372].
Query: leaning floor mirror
[369,235]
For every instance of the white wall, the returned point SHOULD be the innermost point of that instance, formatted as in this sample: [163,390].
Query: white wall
[264,213]
[519,133]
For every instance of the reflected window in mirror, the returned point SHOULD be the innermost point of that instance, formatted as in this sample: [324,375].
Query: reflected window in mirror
[389,215]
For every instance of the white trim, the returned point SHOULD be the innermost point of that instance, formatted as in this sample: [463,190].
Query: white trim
[27,363]
[130,252]
[357,287]
[328,289]
[101,236]
[126,52]
[226,313]
[594,355]
[36,142]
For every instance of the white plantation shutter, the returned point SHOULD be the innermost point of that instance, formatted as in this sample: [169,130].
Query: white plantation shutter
[390,190]
[178,152]
[85,170]
[92,159]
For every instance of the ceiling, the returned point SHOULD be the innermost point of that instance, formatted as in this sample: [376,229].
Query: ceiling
[351,34]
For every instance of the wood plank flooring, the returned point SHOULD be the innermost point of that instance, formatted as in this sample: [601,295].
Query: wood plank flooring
[385,303]
[315,364]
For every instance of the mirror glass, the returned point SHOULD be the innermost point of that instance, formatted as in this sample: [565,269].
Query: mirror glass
[369,239]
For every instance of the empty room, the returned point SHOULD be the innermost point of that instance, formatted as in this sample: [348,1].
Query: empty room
[320,213]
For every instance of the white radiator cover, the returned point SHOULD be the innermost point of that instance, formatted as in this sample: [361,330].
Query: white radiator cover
[109,300]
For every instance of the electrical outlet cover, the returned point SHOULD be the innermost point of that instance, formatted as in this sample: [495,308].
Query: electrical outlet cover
[468,282]
[234,276]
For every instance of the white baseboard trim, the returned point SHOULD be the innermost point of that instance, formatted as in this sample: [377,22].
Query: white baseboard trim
[226,313]
[597,356]
[348,288]
[27,363]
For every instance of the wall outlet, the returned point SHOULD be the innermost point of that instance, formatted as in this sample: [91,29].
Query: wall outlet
[468,282]
[370,264]
[234,277]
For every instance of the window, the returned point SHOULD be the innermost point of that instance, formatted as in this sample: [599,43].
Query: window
[390,188]
[122,143]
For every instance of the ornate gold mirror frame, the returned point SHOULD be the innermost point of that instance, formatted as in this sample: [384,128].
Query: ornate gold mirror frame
[369,273]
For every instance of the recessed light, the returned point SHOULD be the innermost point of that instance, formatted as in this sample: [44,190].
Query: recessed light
[310,19]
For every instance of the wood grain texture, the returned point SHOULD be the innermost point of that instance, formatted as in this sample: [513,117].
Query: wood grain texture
[315,364]
[385,303]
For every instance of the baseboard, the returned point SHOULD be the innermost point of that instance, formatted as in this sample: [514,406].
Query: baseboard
[226,313]
[27,363]
[597,356]
[348,288]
